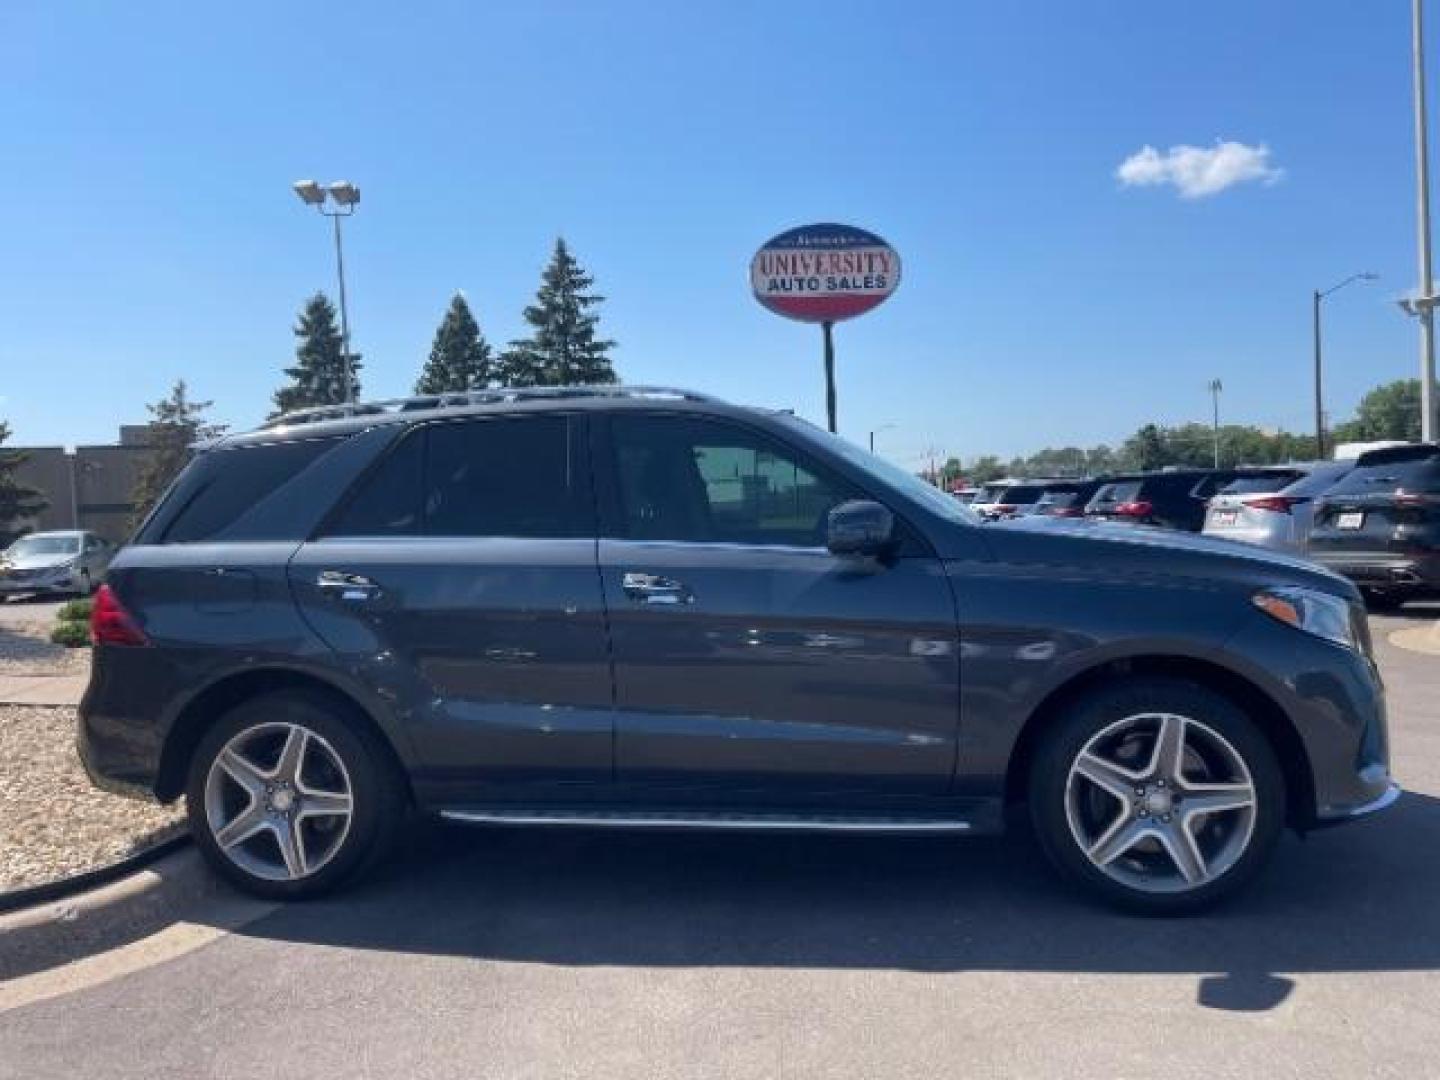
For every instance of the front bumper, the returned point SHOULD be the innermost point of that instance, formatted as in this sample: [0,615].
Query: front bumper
[1383,801]
[1335,702]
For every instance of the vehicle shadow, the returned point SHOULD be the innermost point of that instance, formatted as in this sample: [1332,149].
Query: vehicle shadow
[1357,899]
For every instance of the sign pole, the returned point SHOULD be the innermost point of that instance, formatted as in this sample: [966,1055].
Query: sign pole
[829,373]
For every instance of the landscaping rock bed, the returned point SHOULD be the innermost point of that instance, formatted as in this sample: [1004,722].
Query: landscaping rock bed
[53,823]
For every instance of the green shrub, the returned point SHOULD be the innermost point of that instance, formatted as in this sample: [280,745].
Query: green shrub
[76,611]
[73,635]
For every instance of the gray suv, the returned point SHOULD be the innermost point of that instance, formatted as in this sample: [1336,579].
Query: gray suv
[648,608]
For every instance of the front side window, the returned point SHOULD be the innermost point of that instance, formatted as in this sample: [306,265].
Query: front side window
[706,482]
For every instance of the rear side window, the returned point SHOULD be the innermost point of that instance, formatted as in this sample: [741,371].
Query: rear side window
[1020,494]
[1412,471]
[1124,491]
[501,477]
[1259,483]
[227,483]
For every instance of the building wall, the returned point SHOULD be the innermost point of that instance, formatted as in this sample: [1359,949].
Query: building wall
[96,481]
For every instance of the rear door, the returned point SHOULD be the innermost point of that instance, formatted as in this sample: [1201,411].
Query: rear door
[459,577]
[746,655]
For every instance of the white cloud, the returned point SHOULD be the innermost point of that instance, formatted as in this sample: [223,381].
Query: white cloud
[1196,171]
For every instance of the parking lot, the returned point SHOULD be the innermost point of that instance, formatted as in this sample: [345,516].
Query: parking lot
[510,953]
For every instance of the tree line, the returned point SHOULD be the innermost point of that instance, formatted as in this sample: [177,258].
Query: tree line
[1390,411]
[563,346]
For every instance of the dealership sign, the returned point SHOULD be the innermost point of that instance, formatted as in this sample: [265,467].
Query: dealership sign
[824,273]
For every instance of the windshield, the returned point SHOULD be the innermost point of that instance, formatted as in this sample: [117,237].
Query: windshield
[932,498]
[28,546]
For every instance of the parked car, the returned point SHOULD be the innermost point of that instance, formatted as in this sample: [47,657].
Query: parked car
[1065,498]
[1274,508]
[1174,498]
[646,608]
[54,562]
[1380,525]
[1002,499]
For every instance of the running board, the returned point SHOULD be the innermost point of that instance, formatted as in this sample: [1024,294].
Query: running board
[766,822]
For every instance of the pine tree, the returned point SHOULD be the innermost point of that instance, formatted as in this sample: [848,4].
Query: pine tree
[460,358]
[176,424]
[562,349]
[318,377]
[16,500]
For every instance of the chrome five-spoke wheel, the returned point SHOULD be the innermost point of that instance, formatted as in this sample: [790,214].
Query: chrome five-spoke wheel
[1160,802]
[278,801]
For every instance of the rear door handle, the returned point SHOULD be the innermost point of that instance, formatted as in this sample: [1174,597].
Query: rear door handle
[653,589]
[347,586]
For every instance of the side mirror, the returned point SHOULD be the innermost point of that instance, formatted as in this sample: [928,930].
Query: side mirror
[860,527]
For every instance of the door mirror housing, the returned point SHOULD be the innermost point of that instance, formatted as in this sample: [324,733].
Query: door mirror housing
[860,527]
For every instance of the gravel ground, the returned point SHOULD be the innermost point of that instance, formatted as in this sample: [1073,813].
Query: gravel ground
[52,821]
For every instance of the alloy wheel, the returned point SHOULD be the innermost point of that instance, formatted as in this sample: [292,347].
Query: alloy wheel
[278,801]
[1161,803]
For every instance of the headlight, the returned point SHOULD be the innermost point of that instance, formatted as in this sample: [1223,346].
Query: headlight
[1315,612]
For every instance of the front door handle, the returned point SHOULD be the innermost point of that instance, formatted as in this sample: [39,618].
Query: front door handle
[653,589]
[347,586]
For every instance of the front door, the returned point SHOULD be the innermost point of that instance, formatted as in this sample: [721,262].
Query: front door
[745,654]
[459,580]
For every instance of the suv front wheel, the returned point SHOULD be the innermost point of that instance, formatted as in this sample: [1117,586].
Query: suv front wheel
[1158,795]
[287,797]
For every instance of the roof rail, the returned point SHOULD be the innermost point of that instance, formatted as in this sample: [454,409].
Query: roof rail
[462,398]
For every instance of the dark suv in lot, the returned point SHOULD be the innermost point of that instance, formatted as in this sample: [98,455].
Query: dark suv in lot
[1175,499]
[1380,525]
[648,608]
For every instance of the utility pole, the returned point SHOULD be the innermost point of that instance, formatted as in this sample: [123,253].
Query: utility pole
[1426,311]
[1215,389]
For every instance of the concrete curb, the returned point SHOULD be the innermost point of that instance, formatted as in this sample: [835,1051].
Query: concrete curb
[61,931]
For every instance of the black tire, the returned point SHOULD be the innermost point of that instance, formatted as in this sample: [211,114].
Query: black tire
[376,790]
[1105,708]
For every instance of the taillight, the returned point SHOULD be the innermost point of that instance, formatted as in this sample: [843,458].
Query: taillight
[111,624]
[1279,504]
[1415,498]
[1068,511]
[1139,508]
[1005,508]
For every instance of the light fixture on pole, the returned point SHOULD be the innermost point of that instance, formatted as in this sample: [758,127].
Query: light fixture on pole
[1215,387]
[1316,297]
[345,196]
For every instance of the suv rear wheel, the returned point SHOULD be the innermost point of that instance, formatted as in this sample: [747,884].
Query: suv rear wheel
[1158,795]
[287,798]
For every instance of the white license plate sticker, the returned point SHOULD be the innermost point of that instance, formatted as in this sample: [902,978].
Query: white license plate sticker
[1226,517]
[1354,519]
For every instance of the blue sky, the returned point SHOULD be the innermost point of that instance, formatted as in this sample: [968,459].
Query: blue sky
[147,229]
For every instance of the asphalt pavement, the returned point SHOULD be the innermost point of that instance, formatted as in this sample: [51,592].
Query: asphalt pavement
[508,953]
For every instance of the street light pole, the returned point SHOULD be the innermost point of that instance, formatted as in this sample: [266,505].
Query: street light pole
[1317,296]
[345,196]
[874,431]
[1428,419]
[344,311]
[1215,389]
